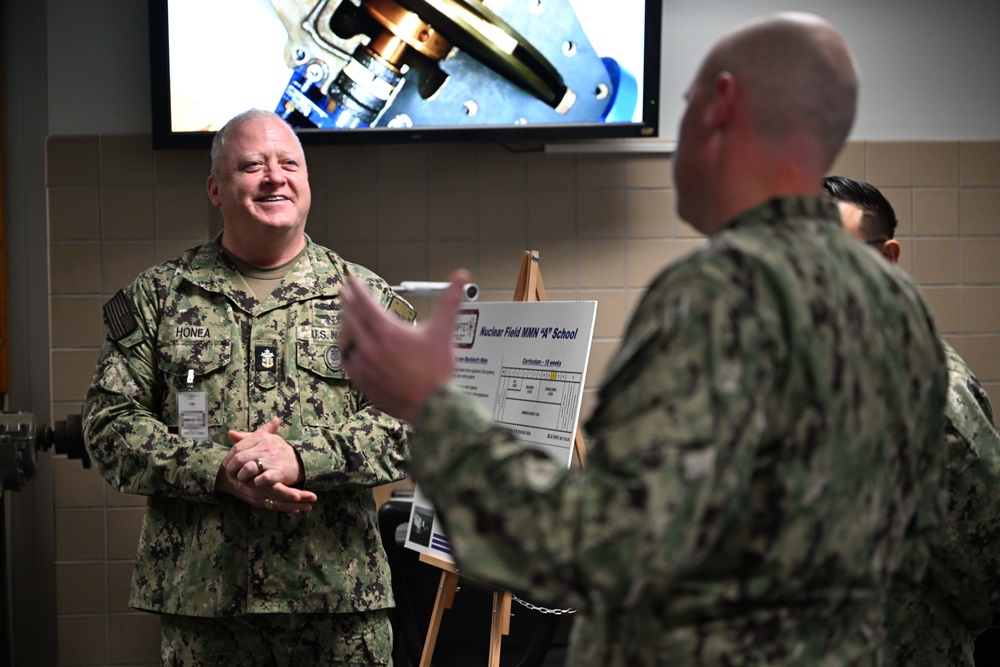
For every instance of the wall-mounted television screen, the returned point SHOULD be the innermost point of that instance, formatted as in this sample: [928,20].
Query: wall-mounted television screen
[349,71]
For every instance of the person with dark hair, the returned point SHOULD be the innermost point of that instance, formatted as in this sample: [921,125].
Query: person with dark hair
[866,213]
[220,395]
[934,623]
[765,448]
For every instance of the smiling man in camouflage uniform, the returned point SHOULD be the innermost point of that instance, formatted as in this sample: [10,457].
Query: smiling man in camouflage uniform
[220,394]
[934,624]
[764,452]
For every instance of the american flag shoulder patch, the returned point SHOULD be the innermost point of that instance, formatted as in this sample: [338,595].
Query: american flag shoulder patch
[119,316]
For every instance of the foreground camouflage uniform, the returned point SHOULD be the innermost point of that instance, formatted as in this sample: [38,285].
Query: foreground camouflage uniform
[961,592]
[202,554]
[764,438]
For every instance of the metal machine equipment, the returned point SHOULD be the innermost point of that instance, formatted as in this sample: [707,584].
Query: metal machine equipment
[406,63]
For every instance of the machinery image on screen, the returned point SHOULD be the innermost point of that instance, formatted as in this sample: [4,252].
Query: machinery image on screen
[407,70]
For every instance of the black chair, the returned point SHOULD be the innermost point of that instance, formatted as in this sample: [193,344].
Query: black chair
[464,634]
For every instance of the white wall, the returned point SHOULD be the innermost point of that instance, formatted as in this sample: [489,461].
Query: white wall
[929,69]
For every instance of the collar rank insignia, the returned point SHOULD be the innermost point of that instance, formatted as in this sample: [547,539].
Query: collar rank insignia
[266,357]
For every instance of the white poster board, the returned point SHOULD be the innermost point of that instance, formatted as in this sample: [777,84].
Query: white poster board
[525,362]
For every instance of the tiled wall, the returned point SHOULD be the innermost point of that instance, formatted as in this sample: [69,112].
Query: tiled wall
[603,223]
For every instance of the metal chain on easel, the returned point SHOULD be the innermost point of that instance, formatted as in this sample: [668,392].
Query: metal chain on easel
[541,610]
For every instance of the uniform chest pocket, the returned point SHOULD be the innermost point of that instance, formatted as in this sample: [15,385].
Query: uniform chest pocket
[207,360]
[325,395]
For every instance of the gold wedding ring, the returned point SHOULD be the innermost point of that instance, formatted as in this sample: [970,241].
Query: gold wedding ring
[268,503]
[260,466]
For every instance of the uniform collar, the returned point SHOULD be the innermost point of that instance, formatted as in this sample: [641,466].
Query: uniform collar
[784,209]
[314,275]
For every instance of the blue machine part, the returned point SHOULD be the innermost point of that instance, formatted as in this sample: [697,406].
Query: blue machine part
[304,104]
[473,94]
[624,95]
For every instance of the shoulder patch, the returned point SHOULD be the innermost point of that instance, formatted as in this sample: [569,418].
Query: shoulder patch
[402,309]
[119,316]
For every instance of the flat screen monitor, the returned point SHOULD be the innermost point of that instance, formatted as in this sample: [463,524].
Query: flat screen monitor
[351,71]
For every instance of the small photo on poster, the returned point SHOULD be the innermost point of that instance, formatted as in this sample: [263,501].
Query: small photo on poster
[464,335]
[420,528]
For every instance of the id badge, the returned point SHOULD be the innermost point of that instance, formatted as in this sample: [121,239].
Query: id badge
[192,413]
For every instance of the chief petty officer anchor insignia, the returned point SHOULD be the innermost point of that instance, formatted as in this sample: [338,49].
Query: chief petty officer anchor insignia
[266,362]
[265,357]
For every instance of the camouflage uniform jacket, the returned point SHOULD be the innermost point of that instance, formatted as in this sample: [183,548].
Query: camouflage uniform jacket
[203,554]
[931,625]
[763,442]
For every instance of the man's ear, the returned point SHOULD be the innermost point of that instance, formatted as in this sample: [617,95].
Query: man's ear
[890,250]
[722,106]
[213,190]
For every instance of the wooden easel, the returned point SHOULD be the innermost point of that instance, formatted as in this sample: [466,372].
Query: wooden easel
[529,288]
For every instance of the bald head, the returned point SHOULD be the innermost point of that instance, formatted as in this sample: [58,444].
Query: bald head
[248,116]
[798,77]
[767,114]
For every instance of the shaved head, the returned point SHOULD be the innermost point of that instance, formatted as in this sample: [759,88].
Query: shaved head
[767,114]
[798,75]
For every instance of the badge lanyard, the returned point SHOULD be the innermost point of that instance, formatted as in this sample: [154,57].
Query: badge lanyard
[192,411]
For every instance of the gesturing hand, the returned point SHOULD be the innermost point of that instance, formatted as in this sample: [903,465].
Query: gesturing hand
[397,365]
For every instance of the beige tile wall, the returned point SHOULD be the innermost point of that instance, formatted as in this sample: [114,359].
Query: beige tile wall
[604,225]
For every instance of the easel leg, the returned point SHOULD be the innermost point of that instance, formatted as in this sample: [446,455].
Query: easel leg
[501,624]
[445,598]
[579,448]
